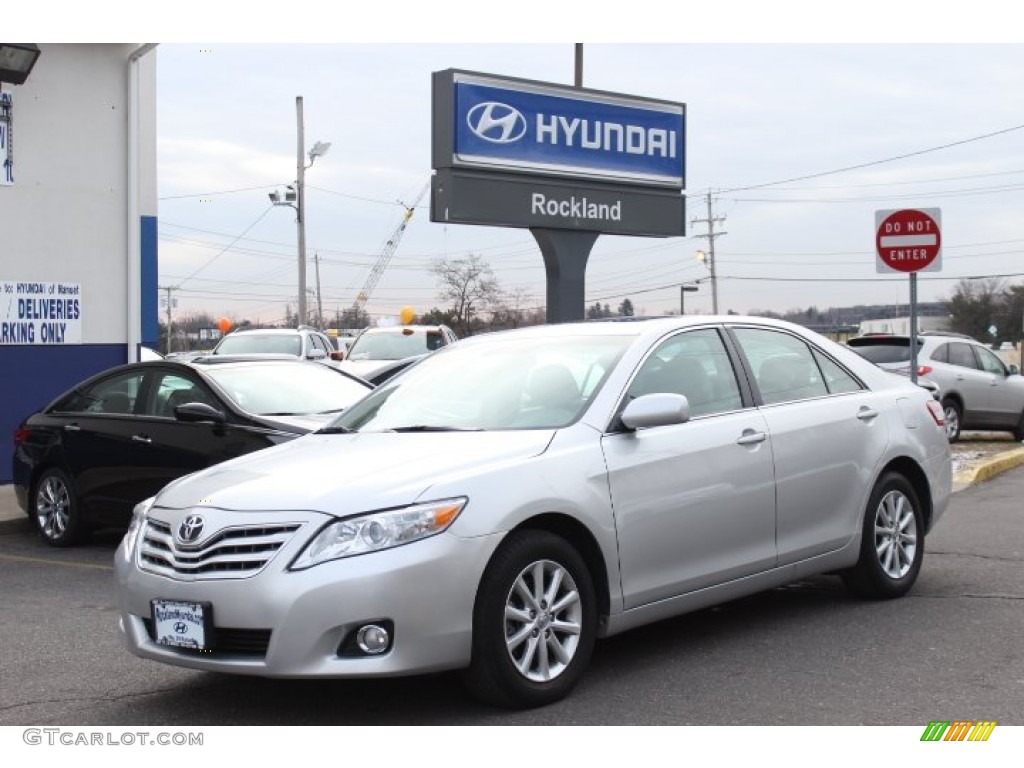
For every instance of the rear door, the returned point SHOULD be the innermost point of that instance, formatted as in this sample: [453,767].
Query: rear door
[98,443]
[828,434]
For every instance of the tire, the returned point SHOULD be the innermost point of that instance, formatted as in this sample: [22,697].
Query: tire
[1018,432]
[55,511]
[524,653]
[892,541]
[954,415]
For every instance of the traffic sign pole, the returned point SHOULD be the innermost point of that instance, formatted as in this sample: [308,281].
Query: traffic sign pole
[909,241]
[913,327]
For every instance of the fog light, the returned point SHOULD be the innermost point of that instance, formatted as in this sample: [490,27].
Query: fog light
[373,639]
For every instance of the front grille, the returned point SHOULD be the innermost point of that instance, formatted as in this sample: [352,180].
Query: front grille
[246,642]
[235,552]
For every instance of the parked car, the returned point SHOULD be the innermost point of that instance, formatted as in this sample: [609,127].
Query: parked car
[303,342]
[87,458]
[513,497]
[376,348]
[978,390]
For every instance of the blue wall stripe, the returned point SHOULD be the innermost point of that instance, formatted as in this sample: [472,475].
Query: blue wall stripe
[32,376]
[150,323]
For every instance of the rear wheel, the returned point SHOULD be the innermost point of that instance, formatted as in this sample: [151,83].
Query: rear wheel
[1018,432]
[55,511]
[892,542]
[534,623]
[953,414]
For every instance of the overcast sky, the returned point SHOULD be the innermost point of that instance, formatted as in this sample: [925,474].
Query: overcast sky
[799,143]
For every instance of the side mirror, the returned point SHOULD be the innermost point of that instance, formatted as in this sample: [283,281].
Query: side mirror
[198,412]
[656,410]
[337,355]
[1014,370]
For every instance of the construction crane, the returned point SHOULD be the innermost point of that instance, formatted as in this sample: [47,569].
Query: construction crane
[385,255]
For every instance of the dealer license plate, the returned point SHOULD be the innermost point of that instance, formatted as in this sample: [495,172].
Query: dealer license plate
[182,624]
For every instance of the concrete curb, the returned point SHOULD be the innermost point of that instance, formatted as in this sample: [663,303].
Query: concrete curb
[988,469]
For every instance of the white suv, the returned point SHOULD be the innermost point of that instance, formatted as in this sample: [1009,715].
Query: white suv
[302,342]
[978,390]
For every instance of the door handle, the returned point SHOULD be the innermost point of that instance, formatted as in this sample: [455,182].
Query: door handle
[142,439]
[866,414]
[749,437]
[72,428]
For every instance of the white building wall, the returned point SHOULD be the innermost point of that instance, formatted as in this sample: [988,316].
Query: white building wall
[65,217]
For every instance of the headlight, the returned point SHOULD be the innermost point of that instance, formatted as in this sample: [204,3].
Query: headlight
[138,518]
[379,530]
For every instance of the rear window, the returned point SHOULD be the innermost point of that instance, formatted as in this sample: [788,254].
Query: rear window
[881,351]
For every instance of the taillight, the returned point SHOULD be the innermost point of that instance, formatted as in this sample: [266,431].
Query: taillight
[924,370]
[21,435]
[937,413]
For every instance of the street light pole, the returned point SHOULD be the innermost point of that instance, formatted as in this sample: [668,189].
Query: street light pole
[300,208]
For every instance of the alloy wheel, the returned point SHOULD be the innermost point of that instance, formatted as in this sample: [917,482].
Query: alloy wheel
[895,534]
[543,621]
[53,507]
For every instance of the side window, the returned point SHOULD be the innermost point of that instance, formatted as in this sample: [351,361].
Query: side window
[172,390]
[783,365]
[694,364]
[989,362]
[941,354]
[836,378]
[117,394]
[317,342]
[961,354]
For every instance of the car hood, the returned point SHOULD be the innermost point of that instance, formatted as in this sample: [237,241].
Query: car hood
[343,474]
[364,368]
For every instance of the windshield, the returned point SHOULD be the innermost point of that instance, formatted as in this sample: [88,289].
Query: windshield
[506,383]
[286,388]
[260,343]
[394,344]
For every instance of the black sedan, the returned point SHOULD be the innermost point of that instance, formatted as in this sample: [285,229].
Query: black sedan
[117,438]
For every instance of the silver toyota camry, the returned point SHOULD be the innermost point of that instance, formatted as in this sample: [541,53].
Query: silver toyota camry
[510,499]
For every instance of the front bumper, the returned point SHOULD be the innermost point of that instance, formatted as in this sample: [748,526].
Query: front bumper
[426,588]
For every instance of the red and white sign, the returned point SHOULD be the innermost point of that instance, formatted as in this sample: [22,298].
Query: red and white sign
[908,240]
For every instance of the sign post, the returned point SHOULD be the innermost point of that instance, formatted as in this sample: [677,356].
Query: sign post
[909,241]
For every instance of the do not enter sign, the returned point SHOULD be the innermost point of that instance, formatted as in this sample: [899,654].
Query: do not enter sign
[908,240]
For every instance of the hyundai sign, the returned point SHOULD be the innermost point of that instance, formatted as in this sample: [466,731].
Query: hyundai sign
[522,126]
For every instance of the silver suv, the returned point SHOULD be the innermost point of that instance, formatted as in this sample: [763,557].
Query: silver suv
[978,390]
[303,342]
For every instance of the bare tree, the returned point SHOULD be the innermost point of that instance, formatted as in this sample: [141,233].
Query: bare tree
[471,287]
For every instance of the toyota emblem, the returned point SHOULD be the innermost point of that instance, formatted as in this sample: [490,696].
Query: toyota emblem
[190,529]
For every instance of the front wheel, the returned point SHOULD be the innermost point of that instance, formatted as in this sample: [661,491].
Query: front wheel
[534,622]
[892,542]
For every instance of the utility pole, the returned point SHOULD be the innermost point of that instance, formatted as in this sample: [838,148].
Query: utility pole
[711,236]
[170,303]
[319,300]
[300,208]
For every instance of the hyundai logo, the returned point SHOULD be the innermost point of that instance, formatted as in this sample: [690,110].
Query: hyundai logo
[180,627]
[190,529]
[496,122]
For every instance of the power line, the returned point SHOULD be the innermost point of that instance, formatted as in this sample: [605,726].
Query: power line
[878,162]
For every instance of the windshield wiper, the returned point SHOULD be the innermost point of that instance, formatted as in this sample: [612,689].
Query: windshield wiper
[337,430]
[433,428]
